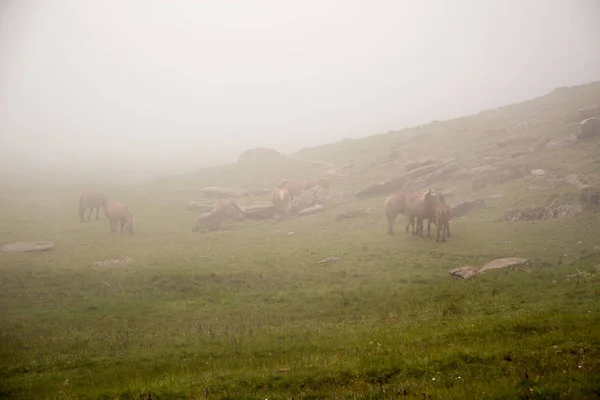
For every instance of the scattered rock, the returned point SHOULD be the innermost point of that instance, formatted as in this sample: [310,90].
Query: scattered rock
[553,210]
[348,165]
[463,272]
[495,175]
[311,210]
[27,247]
[329,260]
[538,172]
[466,207]
[112,262]
[218,192]
[353,214]
[411,165]
[470,272]
[557,142]
[495,196]
[588,128]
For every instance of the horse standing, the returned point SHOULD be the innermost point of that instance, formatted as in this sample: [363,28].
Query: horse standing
[120,213]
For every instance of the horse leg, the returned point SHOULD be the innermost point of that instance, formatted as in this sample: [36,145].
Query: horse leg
[97,210]
[112,224]
[81,214]
[429,228]
[390,220]
[448,228]
[90,214]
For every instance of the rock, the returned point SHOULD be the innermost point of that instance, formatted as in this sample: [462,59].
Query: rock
[260,154]
[418,176]
[538,172]
[463,272]
[353,214]
[558,142]
[587,193]
[502,263]
[27,247]
[259,211]
[311,210]
[348,165]
[112,262]
[466,207]
[588,128]
[589,112]
[217,192]
[318,195]
[553,210]
[200,206]
[495,196]
[329,260]
[259,192]
[470,272]
[495,175]
[212,220]
[412,165]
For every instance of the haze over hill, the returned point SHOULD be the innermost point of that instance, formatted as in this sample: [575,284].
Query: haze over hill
[108,86]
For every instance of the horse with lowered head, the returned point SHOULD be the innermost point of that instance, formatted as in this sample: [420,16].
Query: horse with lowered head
[118,213]
[91,200]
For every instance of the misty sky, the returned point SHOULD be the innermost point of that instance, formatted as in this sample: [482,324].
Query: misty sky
[183,84]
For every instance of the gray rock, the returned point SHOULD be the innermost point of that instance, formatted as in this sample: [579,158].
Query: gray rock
[588,128]
[27,247]
[553,210]
[467,206]
[470,272]
[218,192]
[311,210]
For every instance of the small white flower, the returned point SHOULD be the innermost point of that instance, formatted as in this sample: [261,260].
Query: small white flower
[433,379]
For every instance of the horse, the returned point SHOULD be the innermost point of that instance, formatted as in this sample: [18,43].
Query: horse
[91,200]
[120,213]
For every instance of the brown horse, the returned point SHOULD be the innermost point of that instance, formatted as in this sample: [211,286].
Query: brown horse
[442,213]
[281,200]
[91,200]
[297,187]
[418,204]
[120,213]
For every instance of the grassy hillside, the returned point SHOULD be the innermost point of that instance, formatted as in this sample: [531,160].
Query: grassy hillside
[250,313]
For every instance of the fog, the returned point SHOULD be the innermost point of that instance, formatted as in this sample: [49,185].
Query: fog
[175,85]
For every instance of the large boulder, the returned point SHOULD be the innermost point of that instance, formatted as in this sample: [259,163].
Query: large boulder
[318,195]
[259,211]
[27,247]
[212,220]
[467,206]
[470,272]
[589,112]
[588,128]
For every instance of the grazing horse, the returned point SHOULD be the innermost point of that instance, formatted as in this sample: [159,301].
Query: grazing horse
[91,200]
[419,205]
[281,200]
[297,187]
[120,213]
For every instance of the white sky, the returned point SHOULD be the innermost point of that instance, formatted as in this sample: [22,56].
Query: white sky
[182,84]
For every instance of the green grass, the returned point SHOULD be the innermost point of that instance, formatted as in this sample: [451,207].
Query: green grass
[250,313]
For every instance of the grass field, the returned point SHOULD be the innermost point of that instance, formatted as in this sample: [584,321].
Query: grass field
[249,313]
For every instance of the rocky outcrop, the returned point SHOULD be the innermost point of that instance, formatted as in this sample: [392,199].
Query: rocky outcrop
[27,247]
[416,178]
[470,272]
[587,193]
[553,210]
[259,211]
[200,206]
[494,175]
[588,128]
[318,195]
[218,192]
[466,207]
[260,154]
[589,112]
[212,220]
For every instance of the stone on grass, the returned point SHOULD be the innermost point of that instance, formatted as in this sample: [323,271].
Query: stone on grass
[469,272]
[27,247]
